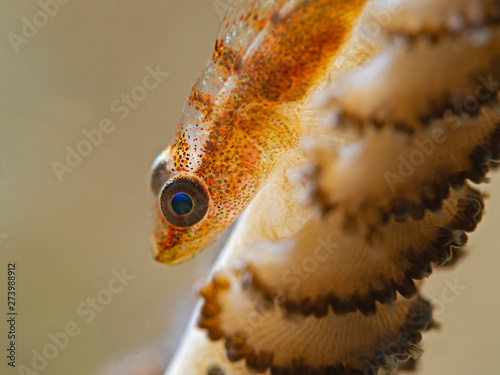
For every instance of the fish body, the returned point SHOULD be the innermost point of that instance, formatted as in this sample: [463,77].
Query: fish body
[242,114]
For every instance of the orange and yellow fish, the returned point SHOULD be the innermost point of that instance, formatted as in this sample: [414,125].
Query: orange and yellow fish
[241,116]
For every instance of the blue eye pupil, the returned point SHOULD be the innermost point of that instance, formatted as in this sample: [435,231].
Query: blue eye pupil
[182,204]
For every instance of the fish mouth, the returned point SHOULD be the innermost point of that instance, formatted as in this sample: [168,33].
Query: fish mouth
[175,255]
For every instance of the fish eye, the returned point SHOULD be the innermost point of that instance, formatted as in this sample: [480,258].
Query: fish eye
[182,204]
[183,201]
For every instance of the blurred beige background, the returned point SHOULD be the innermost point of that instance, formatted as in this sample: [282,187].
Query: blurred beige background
[68,234]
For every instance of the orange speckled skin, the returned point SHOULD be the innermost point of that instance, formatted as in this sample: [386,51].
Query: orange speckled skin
[243,111]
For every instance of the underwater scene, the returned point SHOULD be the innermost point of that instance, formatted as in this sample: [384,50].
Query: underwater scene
[236,187]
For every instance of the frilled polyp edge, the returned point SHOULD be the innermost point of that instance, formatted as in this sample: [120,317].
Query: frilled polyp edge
[403,347]
[402,209]
[483,158]
[346,119]
[439,252]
